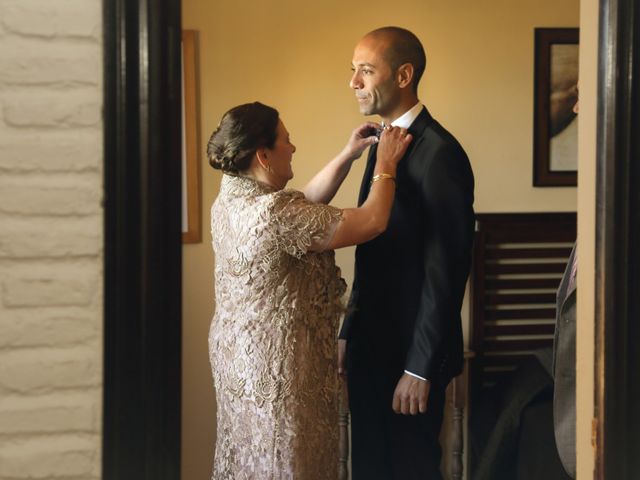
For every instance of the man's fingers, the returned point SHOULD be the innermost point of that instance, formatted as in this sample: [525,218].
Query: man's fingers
[409,404]
[406,405]
[424,397]
[413,409]
[410,396]
[423,405]
[395,405]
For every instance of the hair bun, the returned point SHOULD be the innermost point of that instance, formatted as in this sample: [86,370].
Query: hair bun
[221,154]
[242,130]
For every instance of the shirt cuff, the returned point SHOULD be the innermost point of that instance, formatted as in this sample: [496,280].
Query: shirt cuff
[414,375]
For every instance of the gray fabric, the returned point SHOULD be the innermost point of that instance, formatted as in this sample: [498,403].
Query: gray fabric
[564,370]
[537,452]
[545,357]
[497,459]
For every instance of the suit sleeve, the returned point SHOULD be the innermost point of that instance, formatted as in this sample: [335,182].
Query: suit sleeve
[447,194]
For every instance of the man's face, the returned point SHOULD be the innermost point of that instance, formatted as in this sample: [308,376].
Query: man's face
[373,80]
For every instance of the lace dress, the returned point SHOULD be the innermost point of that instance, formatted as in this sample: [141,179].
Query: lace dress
[272,343]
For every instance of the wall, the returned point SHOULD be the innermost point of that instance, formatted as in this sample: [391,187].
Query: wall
[585,333]
[50,239]
[296,56]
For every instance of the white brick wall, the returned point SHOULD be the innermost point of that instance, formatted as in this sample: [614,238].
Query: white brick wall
[50,239]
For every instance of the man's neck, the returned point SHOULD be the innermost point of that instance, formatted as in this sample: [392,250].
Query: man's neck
[403,106]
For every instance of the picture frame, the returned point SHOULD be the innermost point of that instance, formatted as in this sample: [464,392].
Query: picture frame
[555,94]
[191,181]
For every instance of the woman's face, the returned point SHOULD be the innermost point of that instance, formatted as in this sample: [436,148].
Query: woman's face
[279,157]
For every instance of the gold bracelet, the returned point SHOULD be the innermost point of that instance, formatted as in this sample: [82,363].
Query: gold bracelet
[382,176]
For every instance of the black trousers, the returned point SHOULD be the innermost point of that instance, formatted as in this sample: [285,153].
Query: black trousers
[386,445]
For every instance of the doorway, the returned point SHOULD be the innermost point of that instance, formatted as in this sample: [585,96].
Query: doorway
[143,331]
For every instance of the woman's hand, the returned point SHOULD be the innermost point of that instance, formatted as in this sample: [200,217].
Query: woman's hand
[393,143]
[360,139]
[366,222]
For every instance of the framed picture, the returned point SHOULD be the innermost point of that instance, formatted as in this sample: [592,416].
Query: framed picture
[555,130]
[191,197]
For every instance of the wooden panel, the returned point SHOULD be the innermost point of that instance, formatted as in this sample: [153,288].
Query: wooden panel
[528,235]
[522,283]
[519,298]
[522,268]
[515,314]
[494,221]
[499,252]
[511,345]
[504,360]
[519,260]
[523,329]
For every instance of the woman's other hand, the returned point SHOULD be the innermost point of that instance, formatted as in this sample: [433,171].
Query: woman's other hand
[360,139]
[393,143]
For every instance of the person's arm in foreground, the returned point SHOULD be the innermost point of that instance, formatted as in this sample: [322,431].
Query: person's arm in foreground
[324,185]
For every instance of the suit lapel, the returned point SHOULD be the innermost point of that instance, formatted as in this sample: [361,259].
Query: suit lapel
[563,294]
[416,129]
[419,124]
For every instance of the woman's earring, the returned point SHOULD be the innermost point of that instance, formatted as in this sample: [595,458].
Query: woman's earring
[268,168]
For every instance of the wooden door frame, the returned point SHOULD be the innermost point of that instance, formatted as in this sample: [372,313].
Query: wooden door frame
[617,289]
[142,269]
[142,232]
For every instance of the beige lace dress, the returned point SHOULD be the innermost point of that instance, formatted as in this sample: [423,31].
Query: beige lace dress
[272,342]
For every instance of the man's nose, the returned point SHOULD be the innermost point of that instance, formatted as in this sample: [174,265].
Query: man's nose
[356,81]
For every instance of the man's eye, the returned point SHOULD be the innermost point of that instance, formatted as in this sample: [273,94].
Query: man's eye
[367,71]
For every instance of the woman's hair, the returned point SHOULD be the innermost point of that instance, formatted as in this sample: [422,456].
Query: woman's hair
[242,131]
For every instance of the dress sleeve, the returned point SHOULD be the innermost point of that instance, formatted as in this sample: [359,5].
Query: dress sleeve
[303,226]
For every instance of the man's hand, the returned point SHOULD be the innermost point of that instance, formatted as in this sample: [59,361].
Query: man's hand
[411,395]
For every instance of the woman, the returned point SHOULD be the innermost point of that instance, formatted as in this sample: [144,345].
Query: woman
[272,342]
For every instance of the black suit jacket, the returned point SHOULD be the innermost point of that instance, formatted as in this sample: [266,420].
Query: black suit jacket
[409,282]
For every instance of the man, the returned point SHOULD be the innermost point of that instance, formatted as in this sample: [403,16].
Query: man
[564,365]
[403,335]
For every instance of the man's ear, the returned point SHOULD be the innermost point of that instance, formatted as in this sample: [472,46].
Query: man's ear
[404,75]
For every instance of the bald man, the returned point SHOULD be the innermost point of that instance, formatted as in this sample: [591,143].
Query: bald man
[401,343]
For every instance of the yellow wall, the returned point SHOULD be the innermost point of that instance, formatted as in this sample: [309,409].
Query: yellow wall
[296,55]
[586,233]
